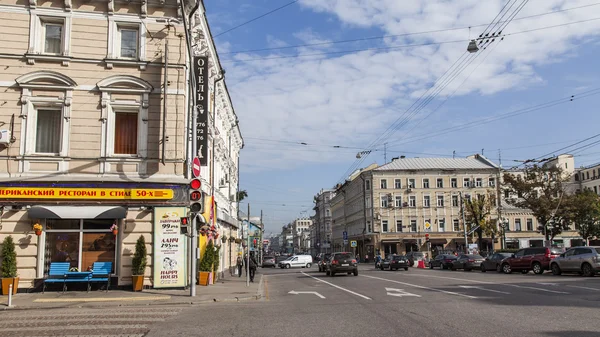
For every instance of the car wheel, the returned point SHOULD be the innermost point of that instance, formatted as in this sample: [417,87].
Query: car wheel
[431,266]
[327,272]
[406,268]
[524,271]
[331,273]
[355,272]
[498,268]
[482,269]
[349,273]
[537,268]
[308,265]
[381,268]
[287,266]
[506,268]
[587,270]
[555,269]
[467,269]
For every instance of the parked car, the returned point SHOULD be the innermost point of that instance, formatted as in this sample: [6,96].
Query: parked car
[269,261]
[467,262]
[442,261]
[534,258]
[582,260]
[494,262]
[394,262]
[343,262]
[303,261]
[322,264]
[414,256]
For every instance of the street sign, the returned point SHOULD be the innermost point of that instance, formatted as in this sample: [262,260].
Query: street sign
[196,167]
[345,242]
[427,226]
[473,230]
[353,243]
[345,236]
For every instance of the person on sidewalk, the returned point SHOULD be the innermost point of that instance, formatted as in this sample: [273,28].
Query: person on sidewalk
[239,264]
[253,266]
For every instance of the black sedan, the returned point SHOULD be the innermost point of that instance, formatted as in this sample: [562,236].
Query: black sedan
[494,262]
[442,261]
[394,262]
[467,262]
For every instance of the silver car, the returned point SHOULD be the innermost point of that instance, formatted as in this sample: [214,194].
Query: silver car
[582,260]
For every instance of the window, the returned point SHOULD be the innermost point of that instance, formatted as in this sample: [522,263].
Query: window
[518,225]
[327,212]
[442,225]
[126,133]
[413,225]
[587,174]
[398,201]
[411,183]
[383,184]
[456,225]
[425,183]
[369,226]
[491,182]
[412,201]
[397,183]
[48,135]
[384,226]
[53,37]
[576,176]
[455,201]
[440,200]
[384,200]
[128,38]
[440,183]
[426,201]
[479,182]
[530,225]
[466,182]
[367,185]
[454,183]
[399,226]
[368,202]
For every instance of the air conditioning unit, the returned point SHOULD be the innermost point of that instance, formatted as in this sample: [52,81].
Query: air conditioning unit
[4,137]
[405,204]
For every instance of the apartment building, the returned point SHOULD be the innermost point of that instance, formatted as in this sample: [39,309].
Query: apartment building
[93,119]
[321,230]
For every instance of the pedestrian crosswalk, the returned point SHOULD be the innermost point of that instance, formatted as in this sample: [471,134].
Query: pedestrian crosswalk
[71,322]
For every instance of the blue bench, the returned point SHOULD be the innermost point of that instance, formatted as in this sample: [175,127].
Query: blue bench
[101,273]
[59,273]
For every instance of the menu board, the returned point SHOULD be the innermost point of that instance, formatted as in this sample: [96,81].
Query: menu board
[169,248]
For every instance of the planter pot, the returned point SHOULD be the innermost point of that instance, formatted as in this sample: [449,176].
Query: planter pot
[115,232]
[138,282]
[38,233]
[204,278]
[6,282]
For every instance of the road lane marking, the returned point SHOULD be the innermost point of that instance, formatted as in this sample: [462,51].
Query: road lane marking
[266,289]
[399,292]
[421,287]
[293,292]
[484,282]
[338,287]
[484,289]
[588,288]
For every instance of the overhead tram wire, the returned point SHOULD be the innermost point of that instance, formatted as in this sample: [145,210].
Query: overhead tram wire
[551,155]
[380,37]
[397,127]
[256,18]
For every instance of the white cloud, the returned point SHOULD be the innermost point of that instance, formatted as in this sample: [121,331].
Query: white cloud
[346,99]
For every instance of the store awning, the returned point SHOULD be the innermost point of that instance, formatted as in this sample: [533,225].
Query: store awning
[77,212]
[390,241]
[405,241]
[438,241]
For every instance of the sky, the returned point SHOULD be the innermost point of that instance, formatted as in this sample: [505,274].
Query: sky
[309,100]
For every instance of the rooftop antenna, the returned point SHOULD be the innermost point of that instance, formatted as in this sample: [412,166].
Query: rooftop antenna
[453,154]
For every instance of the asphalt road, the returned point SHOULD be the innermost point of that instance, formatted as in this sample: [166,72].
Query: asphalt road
[304,302]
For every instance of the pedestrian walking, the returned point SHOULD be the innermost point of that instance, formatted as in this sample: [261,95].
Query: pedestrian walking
[253,266]
[357,258]
[239,263]
[366,258]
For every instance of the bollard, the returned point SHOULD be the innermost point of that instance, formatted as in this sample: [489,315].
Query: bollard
[10,291]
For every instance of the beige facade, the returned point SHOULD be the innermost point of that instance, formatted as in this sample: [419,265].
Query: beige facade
[91,100]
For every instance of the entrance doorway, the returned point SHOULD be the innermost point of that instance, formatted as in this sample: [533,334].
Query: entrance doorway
[390,248]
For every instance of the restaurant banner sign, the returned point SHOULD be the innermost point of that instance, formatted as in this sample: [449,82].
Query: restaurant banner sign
[169,248]
[85,193]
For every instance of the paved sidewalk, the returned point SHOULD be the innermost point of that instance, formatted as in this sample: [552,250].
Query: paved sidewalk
[229,289]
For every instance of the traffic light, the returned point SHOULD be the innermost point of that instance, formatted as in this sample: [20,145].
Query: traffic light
[185,222]
[427,237]
[196,197]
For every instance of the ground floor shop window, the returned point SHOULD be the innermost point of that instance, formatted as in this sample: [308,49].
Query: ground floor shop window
[79,242]
[512,244]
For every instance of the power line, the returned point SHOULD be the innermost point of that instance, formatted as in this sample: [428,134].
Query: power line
[256,18]
[381,37]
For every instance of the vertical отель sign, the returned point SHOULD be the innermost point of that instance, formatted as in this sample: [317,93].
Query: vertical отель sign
[201,103]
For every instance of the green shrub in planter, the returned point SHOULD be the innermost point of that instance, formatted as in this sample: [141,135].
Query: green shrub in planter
[9,258]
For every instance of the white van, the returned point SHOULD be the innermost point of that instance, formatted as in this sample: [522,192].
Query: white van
[303,261]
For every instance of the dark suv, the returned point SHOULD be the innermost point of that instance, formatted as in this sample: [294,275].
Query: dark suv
[535,258]
[343,262]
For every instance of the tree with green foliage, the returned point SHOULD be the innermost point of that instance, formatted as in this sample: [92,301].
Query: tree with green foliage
[138,264]
[206,264]
[541,189]
[583,209]
[478,212]
[9,258]
[241,195]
